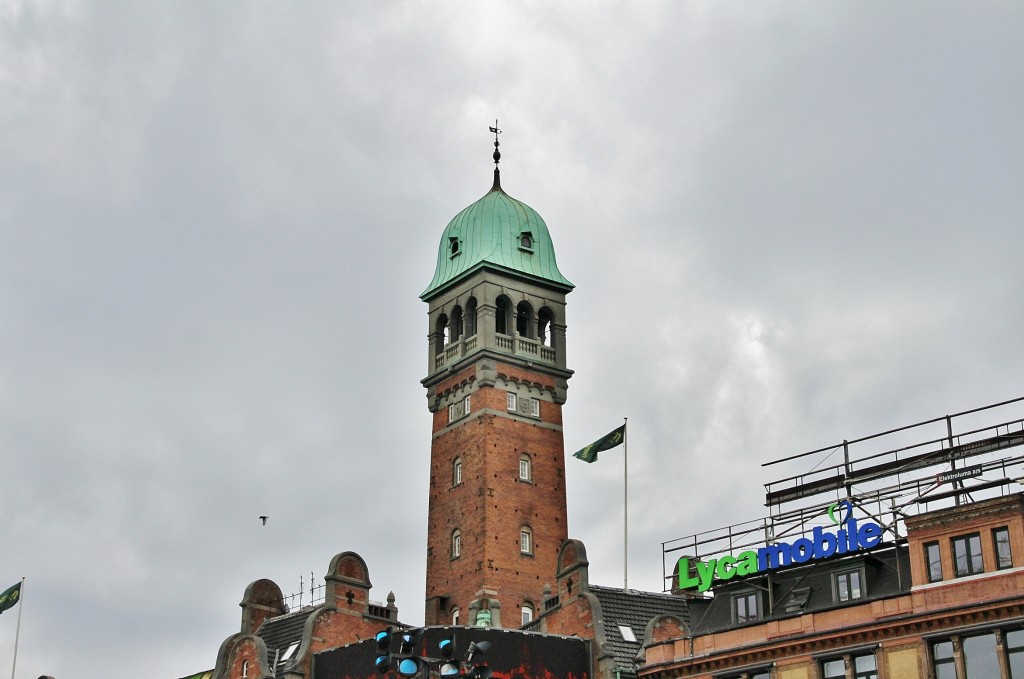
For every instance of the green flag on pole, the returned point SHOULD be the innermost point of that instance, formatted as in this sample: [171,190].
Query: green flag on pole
[9,597]
[607,442]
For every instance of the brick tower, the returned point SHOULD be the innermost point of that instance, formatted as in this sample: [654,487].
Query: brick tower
[496,381]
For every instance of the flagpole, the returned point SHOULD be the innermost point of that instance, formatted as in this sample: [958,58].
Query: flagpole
[625,504]
[17,634]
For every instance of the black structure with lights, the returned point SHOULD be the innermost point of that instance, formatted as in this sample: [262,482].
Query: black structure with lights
[412,665]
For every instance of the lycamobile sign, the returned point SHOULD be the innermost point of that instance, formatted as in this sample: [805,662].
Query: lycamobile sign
[849,538]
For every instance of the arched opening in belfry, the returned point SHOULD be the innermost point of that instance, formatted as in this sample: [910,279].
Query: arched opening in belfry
[456,324]
[502,315]
[524,319]
[545,319]
[470,321]
[440,334]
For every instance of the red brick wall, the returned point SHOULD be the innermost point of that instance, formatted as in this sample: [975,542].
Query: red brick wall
[245,652]
[492,504]
[573,618]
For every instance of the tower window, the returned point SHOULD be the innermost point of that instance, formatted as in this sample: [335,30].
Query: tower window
[455,332]
[527,611]
[456,543]
[526,241]
[458,409]
[524,468]
[511,402]
[440,334]
[457,471]
[453,246]
[534,407]
[470,322]
[525,540]
[545,319]
[455,616]
[245,669]
[524,319]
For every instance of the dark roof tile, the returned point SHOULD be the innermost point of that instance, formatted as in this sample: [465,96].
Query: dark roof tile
[633,609]
[280,633]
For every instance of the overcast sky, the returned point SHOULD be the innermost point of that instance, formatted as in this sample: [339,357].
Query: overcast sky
[788,224]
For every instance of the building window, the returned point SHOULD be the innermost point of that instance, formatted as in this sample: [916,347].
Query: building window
[627,633]
[1001,537]
[745,607]
[833,669]
[847,586]
[534,407]
[1015,652]
[864,667]
[798,599]
[288,653]
[981,656]
[456,543]
[525,540]
[455,616]
[967,555]
[457,471]
[524,468]
[511,402]
[943,661]
[934,561]
[527,612]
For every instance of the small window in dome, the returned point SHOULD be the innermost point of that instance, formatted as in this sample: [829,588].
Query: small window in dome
[526,241]
[453,246]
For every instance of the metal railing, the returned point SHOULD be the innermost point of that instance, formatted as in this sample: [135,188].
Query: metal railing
[885,485]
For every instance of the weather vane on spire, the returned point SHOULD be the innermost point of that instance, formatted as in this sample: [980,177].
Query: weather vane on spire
[497,153]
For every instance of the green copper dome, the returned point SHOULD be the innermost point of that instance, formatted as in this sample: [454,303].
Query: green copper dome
[499,232]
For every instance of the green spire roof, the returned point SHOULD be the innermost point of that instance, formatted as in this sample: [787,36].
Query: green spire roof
[490,233]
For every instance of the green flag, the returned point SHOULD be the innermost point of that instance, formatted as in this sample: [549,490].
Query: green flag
[9,597]
[606,442]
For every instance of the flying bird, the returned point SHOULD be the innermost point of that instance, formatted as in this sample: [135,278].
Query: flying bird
[264,519]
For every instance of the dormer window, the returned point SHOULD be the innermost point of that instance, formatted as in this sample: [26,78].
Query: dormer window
[526,241]
[453,246]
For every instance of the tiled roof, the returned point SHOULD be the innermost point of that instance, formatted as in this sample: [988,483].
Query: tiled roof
[280,633]
[808,588]
[633,609]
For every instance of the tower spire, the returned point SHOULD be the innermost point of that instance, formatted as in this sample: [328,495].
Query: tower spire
[497,157]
